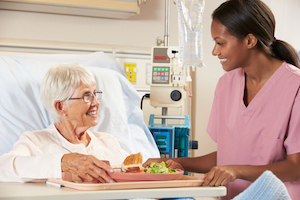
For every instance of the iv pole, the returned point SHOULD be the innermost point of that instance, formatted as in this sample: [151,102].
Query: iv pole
[166,43]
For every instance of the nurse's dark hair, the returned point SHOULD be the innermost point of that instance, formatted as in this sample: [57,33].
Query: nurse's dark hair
[242,17]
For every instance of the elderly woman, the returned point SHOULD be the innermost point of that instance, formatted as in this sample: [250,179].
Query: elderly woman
[69,93]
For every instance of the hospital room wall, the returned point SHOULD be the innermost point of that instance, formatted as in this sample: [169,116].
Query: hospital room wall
[37,32]
[28,32]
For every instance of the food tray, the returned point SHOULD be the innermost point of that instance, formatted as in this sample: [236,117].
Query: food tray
[133,177]
[185,181]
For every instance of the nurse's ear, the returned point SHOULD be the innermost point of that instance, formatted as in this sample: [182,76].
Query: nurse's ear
[59,106]
[250,40]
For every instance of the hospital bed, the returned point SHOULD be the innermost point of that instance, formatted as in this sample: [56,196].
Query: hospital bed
[21,108]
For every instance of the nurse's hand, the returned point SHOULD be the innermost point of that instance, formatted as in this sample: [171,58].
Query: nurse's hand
[87,167]
[156,160]
[174,165]
[220,175]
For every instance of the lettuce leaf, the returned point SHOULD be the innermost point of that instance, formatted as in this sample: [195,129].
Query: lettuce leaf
[159,168]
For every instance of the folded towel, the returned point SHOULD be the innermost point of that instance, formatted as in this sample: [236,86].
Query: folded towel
[266,187]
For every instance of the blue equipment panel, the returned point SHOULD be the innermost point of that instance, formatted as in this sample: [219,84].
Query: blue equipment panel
[164,138]
[172,140]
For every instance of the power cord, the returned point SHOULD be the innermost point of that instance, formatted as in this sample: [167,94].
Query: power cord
[147,95]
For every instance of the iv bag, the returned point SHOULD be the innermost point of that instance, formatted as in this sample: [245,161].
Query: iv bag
[190,32]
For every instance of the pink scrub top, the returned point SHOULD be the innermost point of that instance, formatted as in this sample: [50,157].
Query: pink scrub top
[265,131]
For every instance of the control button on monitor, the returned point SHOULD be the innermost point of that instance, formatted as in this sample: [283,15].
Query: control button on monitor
[175,95]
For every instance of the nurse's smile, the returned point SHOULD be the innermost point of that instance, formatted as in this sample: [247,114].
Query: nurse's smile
[222,61]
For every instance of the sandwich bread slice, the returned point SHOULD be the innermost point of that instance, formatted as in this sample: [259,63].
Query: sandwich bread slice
[133,163]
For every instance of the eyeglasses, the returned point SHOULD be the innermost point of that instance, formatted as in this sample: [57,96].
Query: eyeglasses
[89,97]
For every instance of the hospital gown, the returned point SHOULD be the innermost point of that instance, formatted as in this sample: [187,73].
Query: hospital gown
[261,133]
[37,154]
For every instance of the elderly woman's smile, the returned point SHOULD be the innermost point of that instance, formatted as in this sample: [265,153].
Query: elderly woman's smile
[92,113]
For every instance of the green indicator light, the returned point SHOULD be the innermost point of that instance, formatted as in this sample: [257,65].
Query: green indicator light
[162,149]
[161,137]
[161,143]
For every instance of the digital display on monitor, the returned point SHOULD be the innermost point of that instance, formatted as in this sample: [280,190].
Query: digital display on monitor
[160,57]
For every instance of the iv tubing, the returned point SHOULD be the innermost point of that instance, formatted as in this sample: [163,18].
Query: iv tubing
[167,17]
[189,82]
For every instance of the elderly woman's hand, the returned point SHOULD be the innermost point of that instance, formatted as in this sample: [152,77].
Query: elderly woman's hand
[87,167]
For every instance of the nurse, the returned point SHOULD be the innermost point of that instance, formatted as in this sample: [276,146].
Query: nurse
[255,118]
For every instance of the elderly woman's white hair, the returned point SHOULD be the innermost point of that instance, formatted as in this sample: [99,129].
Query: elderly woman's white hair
[60,83]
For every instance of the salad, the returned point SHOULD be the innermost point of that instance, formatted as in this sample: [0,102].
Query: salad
[159,168]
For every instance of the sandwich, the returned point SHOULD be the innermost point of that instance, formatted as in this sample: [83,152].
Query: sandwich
[133,164]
